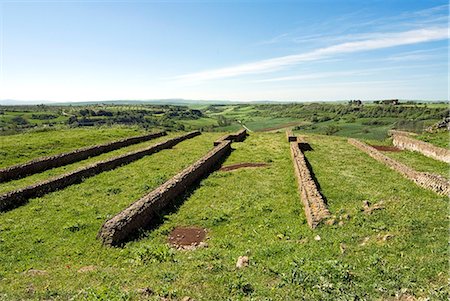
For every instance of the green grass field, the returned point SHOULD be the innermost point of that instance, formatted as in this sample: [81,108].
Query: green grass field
[21,148]
[441,138]
[255,212]
[420,162]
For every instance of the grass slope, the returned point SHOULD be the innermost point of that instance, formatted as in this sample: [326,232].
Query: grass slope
[440,138]
[32,179]
[21,148]
[254,212]
[420,162]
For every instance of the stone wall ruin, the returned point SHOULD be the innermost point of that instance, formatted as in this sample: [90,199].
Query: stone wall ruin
[18,197]
[141,213]
[426,180]
[314,204]
[49,162]
[403,140]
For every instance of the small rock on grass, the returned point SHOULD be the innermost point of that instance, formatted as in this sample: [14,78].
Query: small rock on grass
[330,221]
[345,217]
[387,237]
[368,209]
[88,268]
[146,291]
[242,262]
[342,247]
[34,272]
[365,241]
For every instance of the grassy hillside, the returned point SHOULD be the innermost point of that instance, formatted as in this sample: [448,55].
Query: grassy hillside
[401,249]
[420,162]
[441,138]
[23,147]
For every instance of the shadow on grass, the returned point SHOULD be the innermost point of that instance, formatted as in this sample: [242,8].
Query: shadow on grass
[160,217]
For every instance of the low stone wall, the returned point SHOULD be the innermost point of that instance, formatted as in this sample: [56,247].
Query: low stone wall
[290,136]
[430,181]
[315,206]
[45,163]
[16,198]
[140,213]
[236,137]
[403,141]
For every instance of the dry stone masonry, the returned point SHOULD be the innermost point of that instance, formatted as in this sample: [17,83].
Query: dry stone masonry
[430,181]
[236,137]
[16,198]
[290,136]
[140,214]
[45,163]
[403,140]
[314,204]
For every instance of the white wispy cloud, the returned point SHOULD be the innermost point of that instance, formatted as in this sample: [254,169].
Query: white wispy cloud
[379,41]
[339,74]
[316,75]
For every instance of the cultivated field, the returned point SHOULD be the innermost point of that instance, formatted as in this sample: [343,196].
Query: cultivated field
[385,238]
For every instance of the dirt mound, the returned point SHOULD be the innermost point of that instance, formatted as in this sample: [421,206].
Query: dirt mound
[186,236]
[242,165]
[384,148]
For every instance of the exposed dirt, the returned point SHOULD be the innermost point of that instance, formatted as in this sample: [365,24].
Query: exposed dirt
[186,236]
[242,165]
[384,148]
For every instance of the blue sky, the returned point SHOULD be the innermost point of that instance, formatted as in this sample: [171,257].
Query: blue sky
[236,50]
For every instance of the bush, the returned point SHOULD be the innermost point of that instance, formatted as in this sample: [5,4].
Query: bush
[332,129]
[19,120]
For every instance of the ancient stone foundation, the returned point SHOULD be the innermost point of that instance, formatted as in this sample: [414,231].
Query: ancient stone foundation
[290,136]
[45,163]
[236,137]
[142,212]
[313,202]
[18,197]
[430,181]
[403,140]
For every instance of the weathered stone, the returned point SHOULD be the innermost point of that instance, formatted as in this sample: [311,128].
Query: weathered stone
[290,136]
[314,205]
[89,268]
[239,136]
[242,262]
[34,272]
[403,140]
[368,209]
[342,248]
[330,221]
[146,291]
[45,163]
[430,181]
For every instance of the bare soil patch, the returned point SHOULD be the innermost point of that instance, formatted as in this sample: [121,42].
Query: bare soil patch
[242,165]
[186,236]
[384,148]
